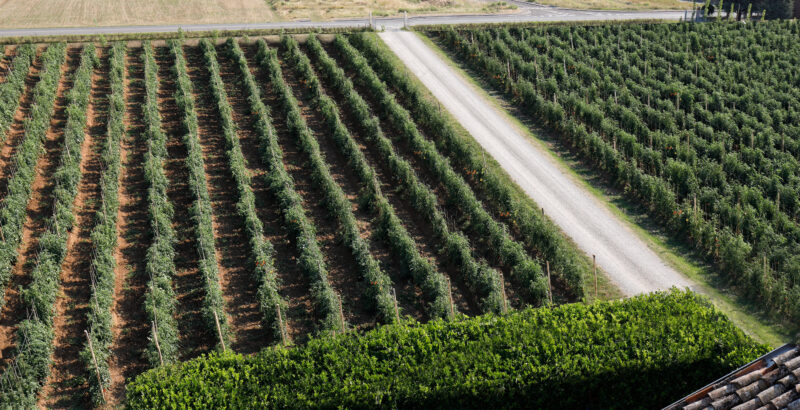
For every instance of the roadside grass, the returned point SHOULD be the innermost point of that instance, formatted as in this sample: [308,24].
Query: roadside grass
[606,289]
[744,313]
[620,4]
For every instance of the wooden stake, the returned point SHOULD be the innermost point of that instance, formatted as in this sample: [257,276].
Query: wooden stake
[341,313]
[96,367]
[219,331]
[450,297]
[549,285]
[503,290]
[2,236]
[280,324]
[396,310]
[158,346]
[594,268]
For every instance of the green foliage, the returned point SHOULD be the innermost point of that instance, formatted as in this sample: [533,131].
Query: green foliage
[14,84]
[539,235]
[104,233]
[675,117]
[337,204]
[614,354]
[482,280]
[389,227]
[213,302]
[160,302]
[282,186]
[23,379]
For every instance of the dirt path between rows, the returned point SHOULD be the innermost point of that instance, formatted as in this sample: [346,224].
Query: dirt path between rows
[64,388]
[130,327]
[630,263]
[39,210]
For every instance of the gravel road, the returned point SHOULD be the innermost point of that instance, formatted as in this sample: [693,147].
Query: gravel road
[630,263]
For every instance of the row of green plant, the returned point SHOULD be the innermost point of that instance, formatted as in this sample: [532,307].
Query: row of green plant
[160,300]
[613,354]
[261,250]
[13,85]
[529,226]
[483,281]
[35,335]
[15,203]
[388,225]
[104,233]
[379,287]
[487,232]
[213,302]
[716,174]
[301,229]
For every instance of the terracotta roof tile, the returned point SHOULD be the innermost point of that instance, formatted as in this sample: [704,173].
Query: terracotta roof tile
[770,382]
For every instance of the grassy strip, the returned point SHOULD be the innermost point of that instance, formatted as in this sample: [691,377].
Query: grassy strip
[213,303]
[615,353]
[538,233]
[11,89]
[160,301]
[483,281]
[388,225]
[104,233]
[35,334]
[337,204]
[281,184]
[261,250]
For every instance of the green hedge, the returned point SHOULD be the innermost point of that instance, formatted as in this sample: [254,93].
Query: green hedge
[642,352]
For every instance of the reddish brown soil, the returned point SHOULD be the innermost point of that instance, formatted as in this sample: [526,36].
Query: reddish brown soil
[231,242]
[39,210]
[64,388]
[16,131]
[417,227]
[293,286]
[9,52]
[195,336]
[130,328]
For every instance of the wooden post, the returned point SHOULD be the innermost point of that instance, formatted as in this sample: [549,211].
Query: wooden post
[396,310]
[158,346]
[371,23]
[96,367]
[219,331]
[2,236]
[405,19]
[549,285]
[450,297]
[694,201]
[503,290]
[280,324]
[341,313]
[594,269]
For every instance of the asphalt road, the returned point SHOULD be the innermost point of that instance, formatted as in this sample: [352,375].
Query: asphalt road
[630,263]
[527,12]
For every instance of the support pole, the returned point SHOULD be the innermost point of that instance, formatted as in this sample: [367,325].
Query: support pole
[549,284]
[341,313]
[503,290]
[396,310]
[158,345]
[450,297]
[405,19]
[96,367]
[219,331]
[280,324]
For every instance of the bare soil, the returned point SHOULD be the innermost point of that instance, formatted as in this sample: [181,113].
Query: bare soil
[39,211]
[195,337]
[130,327]
[293,286]
[66,386]
[234,259]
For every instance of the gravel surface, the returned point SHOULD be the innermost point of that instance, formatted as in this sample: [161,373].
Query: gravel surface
[630,263]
